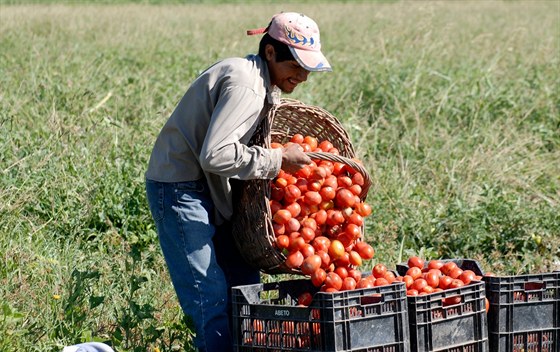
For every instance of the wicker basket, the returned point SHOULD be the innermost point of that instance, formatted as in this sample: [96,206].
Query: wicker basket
[252,223]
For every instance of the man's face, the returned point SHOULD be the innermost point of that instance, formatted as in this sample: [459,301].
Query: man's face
[286,75]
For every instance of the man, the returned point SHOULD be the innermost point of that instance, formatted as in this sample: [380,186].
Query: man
[202,146]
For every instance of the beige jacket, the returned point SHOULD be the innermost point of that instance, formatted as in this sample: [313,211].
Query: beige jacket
[206,135]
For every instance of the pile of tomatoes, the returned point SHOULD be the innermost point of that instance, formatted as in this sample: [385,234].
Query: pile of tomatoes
[436,276]
[317,217]
[423,278]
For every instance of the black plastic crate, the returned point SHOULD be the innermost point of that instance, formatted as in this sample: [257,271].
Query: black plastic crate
[436,325]
[524,314]
[266,317]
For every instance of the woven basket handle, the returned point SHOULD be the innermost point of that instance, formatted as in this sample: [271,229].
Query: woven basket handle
[353,164]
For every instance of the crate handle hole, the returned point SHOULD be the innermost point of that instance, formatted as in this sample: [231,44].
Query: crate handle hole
[533,286]
[373,299]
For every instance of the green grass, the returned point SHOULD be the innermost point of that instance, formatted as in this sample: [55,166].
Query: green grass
[452,106]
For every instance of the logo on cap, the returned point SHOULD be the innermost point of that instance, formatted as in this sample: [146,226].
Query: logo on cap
[298,38]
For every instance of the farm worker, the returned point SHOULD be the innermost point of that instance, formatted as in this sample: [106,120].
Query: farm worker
[202,147]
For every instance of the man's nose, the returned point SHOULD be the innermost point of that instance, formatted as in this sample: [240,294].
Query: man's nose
[302,74]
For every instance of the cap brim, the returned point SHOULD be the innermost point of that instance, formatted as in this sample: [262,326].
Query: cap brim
[313,61]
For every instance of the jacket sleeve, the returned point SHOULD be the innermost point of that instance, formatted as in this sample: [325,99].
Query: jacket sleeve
[233,121]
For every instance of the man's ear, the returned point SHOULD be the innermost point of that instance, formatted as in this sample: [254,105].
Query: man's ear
[270,52]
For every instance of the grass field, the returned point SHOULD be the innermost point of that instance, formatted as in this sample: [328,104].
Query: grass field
[452,106]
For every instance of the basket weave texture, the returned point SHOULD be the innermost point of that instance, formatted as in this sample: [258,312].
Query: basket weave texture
[252,222]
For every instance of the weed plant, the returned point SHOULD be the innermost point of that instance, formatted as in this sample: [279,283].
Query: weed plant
[452,106]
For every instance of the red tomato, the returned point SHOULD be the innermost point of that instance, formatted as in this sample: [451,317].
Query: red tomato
[320,217]
[451,300]
[447,267]
[346,239]
[278,229]
[467,276]
[349,283]
[308,234]
[331,181]
[355,273]
[432,278]
[282,216]
[311,141]
[301,183]
[389,276]
[355,219]
[435,264]
[415,272]
[327,193]
[277,193]
[307,250]
[314,185]
[419,284]
[305,299]
[428,289]
[311,264]
[456,283]
[456,272]
[318,277]
[292,225]
[353,230]
[334,217]
[336,249]
[291,193]
[364,209]
[379,270]
[310,223]
[365,250]
[415,261]
[355,258]
[344,181]
[364,283]
[381,281]
[294,259]
[344,198]
[325,146]
[358,179]
[282,242]
[328,165]
[445,281]
[342,272]
[408,281]
[275,206]
[318,173]
[297,138]
[280,182]
[356,189]
[296,242]
[333,281]
[343,260]
[294,209]
[312,198]
[321,243]
[326,259]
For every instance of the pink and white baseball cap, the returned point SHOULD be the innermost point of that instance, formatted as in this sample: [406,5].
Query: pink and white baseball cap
[301,34]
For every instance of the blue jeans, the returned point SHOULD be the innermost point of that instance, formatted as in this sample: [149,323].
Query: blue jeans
[202,258]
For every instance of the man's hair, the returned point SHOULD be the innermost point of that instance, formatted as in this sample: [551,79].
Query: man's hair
[282,50]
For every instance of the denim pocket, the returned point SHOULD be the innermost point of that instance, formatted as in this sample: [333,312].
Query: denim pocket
[155,194]
[193,194]
[190,186]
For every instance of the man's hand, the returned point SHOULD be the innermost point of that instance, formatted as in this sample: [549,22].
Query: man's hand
[294,158]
